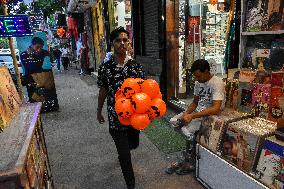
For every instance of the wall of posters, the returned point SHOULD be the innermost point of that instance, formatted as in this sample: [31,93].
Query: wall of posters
[9,98]
[37,71]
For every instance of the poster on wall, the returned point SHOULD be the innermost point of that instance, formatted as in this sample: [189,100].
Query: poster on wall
[37,71]
[10,100]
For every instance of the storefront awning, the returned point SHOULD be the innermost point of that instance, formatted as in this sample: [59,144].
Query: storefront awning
[80,6]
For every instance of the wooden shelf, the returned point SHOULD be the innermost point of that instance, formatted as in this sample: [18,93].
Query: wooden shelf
[264,32]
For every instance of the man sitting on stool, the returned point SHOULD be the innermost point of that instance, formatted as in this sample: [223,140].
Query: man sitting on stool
[209,99]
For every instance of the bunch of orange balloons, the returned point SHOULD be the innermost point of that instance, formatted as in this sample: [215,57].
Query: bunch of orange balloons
[138,102]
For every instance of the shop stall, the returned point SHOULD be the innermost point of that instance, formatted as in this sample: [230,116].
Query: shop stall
[248,152]
[24,159]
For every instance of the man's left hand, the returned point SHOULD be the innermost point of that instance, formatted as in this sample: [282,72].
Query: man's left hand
[187,118]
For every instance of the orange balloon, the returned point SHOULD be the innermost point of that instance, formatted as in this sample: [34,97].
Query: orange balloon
[159,95]
[119,94]
[124,121]
[140,121]
[130,87]
[151,88]
[141,102]
[123,107]
[158,108]
[213,2]
[139,80]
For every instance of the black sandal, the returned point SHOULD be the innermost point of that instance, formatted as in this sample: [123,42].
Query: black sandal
[173,167]
[186,169]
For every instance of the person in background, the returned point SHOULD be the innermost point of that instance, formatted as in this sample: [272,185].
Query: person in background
[57,55]
[64,57]
[209,99]
[111,75]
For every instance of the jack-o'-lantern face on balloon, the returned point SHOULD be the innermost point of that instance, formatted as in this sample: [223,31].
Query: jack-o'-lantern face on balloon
[130,87]
[158,108]
[123,108]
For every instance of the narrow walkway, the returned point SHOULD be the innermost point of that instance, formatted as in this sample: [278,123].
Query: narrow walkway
[82,153]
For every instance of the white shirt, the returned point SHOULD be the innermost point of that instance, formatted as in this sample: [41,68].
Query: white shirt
[64,52]
[214,89]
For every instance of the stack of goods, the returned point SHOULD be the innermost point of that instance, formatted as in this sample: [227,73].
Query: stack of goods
[270,168]
[277,97]
[260,91]
[9,98]
[213,127]
[138,102]
[264,15]
[243,141]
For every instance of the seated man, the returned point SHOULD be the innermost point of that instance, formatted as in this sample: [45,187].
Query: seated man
[209,99]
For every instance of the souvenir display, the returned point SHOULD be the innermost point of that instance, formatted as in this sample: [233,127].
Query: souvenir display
[243,139]
[247,76]
[213,127]
[261,99]
[276,55]
[245,97]
[276,107]
[10,100]
[270,167]
[232,94]
[273,16]
[254,15]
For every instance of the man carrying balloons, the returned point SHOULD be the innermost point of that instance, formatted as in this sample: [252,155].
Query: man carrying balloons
[209,99]
[111,76]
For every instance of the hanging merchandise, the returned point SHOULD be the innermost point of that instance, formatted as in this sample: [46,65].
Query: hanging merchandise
[60,32]
[72,28]
[193,29]
[213,2]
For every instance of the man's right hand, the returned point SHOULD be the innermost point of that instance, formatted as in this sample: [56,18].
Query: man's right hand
[100,118]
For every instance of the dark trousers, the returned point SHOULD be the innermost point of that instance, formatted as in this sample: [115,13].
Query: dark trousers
[65,62]
[124,142]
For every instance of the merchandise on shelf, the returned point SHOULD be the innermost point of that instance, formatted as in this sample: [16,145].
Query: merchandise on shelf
[232,94]
[264,15]
[212,128]
[270,168]
[261,99]
[245,97]
[243,140]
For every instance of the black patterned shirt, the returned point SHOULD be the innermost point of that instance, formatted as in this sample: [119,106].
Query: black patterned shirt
[111,76]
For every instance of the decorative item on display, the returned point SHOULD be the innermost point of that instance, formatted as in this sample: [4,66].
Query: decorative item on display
[10,101]
[213,2]
[139,102]
[15,26]
[245,97]
[261,99]
[213,127]
[270,167]
[243,140]
[60,32]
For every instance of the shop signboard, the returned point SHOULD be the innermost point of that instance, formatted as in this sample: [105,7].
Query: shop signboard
[15,26]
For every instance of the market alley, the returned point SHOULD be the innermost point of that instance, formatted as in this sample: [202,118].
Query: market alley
[82,153]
